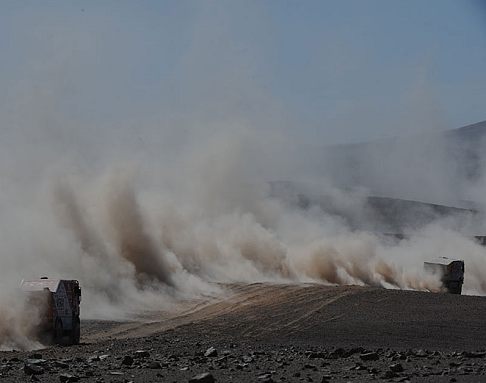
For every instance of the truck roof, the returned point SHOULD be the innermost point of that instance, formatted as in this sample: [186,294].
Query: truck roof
[443,261]
[40,285]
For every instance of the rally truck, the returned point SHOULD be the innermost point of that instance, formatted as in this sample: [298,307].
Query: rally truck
[57,301]
[451,272]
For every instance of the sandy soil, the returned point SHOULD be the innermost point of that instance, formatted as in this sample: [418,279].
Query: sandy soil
[264,332]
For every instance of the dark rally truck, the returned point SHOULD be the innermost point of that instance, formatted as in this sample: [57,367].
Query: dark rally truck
[451,272]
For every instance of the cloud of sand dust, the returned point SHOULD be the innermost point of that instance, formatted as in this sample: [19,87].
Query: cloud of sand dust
[148,208]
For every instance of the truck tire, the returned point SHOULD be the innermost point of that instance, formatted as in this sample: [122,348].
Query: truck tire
[454,287]
[76,331]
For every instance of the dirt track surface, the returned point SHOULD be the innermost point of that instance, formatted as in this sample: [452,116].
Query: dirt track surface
[264,332]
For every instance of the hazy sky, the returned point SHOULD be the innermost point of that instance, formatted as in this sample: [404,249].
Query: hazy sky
[321,71]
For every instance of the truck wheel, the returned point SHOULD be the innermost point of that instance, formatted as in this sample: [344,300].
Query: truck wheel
[455,288]
[76,331]
[58,332]
[458,289]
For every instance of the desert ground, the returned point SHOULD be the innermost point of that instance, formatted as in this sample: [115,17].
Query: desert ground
[277,333]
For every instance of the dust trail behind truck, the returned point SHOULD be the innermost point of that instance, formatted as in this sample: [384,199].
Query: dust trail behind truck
[58,302]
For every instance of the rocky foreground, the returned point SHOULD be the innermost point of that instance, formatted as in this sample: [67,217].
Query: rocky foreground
[279,334]
[167,359]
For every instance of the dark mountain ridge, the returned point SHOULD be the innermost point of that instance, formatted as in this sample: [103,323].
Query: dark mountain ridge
[437,168]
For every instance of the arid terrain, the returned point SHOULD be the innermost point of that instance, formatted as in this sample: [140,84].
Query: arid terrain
[265,333]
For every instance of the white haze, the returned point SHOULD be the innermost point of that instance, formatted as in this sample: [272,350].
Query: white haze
[153,210]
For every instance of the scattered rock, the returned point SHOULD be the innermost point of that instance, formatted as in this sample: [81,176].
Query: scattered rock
[32,369]
[68,378]
[141,354]
[317,355]
[127,360]
[211,352]
[154,365]
[338,353]
[397,367]
[472,354]
[373,370]
[60,364]
[95,358]
[205,377]
[420,353]
[389,375]
[369,356]
[36,362]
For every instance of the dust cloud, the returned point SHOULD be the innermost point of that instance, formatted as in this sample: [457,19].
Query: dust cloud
[147,208]
[138,246]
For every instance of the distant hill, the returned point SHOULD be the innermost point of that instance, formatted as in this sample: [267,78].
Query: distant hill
[398,185]
[368,212]
[437,168]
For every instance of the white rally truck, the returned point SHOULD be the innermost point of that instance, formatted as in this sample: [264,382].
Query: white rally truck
[58,303]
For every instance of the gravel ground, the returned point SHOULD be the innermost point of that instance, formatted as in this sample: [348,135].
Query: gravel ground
[279,333]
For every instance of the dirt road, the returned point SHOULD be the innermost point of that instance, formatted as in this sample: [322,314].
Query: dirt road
[324,315]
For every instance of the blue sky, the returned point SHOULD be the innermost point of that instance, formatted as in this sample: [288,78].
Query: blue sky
[318,71]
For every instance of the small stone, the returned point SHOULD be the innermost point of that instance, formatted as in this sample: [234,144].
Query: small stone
[389,375]
[68,378]
[317,355]
[60,364]
[369,356]
[205,377]
[420,353]
[141,354]
[32,369]
[338,353]
[211,352]
[94,359]
[127,360]
[397,367]
[36,362]
[154,365]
